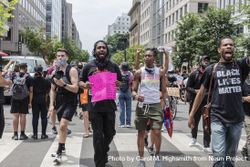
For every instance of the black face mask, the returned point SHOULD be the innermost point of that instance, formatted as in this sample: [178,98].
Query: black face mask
[79,67]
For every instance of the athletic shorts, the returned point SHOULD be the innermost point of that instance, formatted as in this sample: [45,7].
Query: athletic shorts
[150,115]
[66,111]
[19,106]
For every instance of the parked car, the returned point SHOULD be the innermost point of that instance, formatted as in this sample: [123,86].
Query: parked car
[31,61]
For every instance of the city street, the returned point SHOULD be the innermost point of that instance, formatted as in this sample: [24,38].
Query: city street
[123,151]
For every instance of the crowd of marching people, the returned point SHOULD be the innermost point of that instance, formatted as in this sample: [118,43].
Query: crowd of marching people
[56,93]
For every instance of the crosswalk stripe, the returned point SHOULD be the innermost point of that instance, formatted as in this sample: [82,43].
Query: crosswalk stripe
[73,151]
[7,145]
[126,144]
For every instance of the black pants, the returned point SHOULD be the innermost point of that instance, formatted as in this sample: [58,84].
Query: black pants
[197,117]
[2,122]
[103,124]
[39,107]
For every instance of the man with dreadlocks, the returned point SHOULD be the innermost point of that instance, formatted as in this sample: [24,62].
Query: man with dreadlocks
[102,114]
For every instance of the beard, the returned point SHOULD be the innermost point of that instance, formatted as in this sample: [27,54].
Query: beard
[101,62]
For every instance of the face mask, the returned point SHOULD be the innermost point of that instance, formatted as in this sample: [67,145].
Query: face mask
[150,70]
[62,63]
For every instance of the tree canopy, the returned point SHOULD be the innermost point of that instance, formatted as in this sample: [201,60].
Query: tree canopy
[5,13]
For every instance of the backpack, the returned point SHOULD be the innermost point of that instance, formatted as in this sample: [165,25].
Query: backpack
[19,89]
[125,82]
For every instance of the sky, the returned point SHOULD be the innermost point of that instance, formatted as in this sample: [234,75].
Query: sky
[92,18]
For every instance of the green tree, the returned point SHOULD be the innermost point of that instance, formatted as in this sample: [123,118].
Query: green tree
[6,8]
[118,57]
[75,52]
[215,24]
[186,40]
[118,42]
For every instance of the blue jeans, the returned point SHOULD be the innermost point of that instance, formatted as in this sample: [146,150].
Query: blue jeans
[225,141]
[125,107]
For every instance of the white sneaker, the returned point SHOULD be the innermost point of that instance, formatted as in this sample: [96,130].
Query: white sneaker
[121,126]
[193,142]
[141,163]
[128,126]
[158,162]
[207,150]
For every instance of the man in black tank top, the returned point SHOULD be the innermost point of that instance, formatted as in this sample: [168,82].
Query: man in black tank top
[63,96]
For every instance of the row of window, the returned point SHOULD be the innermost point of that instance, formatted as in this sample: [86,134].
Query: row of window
[176,16]
[32,11]
[170,36]
[171,3]
[146,13]
[145,36]
[145,25]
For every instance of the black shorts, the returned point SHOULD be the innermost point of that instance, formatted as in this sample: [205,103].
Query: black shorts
[86,107]
[66,111]
[19,106]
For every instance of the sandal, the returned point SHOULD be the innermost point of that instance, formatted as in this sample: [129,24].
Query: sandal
[86,135]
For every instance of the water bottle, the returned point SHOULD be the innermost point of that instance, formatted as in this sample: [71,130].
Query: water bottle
[140,104]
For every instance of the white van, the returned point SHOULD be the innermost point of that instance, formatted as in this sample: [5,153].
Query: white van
[31,61]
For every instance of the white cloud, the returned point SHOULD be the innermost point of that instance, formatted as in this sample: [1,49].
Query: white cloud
[92,18]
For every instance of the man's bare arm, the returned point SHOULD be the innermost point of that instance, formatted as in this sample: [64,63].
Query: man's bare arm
[163,87]
[137,58]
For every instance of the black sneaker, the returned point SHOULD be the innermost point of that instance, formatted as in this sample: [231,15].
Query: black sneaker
[69,131]
[43,136]
[23,137]
[244,153]
[54,131]
[57,158]
[15,137]
[34,137]
[151,150]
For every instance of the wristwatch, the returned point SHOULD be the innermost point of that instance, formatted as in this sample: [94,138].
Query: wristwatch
[64,85]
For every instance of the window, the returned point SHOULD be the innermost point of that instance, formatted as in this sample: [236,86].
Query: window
[202,7]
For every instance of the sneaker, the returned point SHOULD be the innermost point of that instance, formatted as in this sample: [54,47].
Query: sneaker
[69,131]
[193,142]
[207,150]
[57,158]
[15,137]
[122,126]
[34,137]
[23,137]
[128,126]
[151,150]
[44,136]
[80,116]
[245,153]
[54,131]
[141,164]
[158,162]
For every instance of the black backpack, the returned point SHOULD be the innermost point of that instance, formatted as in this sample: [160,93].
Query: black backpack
[125,82]
[19,89]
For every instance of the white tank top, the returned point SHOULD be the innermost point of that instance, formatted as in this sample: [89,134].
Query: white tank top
[150,86]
